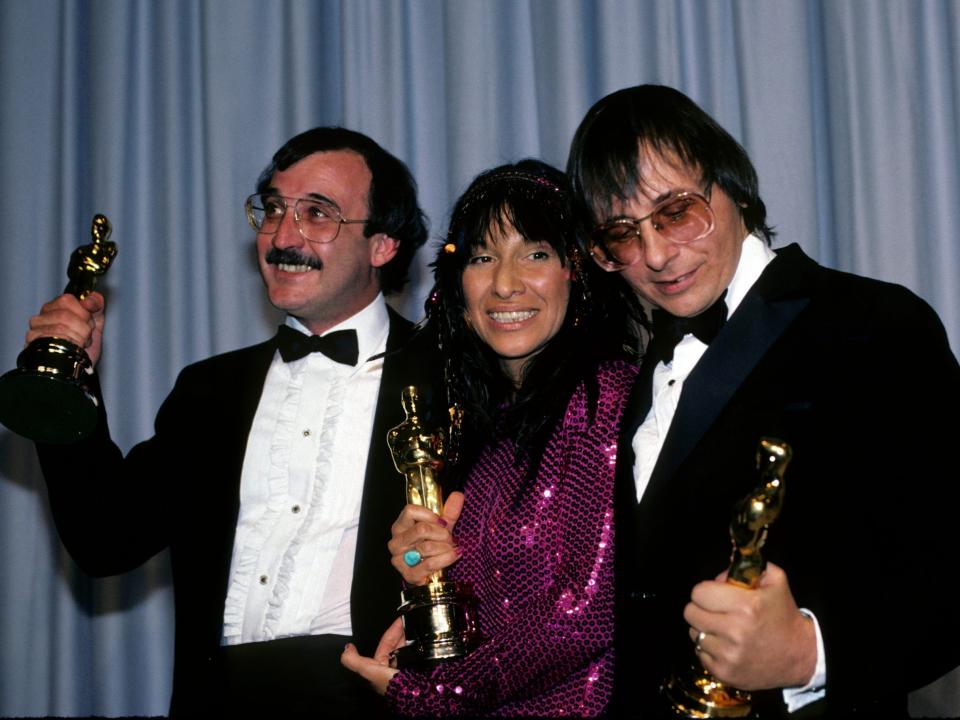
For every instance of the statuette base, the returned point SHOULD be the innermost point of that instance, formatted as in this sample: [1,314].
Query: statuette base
[700,695]
[46,398]
[440,623]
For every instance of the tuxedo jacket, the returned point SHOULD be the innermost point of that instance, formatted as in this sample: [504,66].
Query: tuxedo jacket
[855,375]
[181,490]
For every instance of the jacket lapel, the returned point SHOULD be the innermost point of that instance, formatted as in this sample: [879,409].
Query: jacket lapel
[381,480]
[383,496]
[779,295]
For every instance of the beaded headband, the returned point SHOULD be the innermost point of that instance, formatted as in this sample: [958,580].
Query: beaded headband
[530,185]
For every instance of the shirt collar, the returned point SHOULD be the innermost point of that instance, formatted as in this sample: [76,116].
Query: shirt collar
[755,255]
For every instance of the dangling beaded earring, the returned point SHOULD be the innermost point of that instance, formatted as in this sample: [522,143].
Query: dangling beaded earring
[580,282]
[454,408]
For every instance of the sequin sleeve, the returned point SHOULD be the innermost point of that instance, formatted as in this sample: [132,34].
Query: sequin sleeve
[542,567]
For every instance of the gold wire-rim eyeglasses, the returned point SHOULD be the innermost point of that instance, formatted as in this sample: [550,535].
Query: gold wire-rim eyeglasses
[320,223]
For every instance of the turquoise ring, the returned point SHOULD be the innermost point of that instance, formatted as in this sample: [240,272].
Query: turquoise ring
[412,557]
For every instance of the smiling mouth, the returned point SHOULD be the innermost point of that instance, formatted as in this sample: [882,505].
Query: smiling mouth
[294,268]
[679,280]
[511,316]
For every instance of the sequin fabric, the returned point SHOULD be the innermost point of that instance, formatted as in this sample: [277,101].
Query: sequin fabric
[541,565]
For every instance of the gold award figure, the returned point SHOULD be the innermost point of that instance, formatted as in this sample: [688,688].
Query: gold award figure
[418,455]
[698,694]
[47,398]
[89,262]
[439,619]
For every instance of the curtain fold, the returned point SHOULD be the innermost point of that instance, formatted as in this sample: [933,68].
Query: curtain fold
[162,115]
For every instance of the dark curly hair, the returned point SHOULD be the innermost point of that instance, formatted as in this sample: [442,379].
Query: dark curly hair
[534,199]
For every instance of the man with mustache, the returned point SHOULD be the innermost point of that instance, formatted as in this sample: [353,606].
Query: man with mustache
[269,477]
[855,608]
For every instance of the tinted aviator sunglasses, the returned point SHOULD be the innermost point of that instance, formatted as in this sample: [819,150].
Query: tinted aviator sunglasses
[680,218]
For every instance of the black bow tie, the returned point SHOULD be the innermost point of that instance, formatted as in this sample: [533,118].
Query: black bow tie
[668,330]
[339,346]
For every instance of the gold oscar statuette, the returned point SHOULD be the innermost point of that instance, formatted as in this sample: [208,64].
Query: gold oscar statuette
[439,618]
[47,398]
[697,694]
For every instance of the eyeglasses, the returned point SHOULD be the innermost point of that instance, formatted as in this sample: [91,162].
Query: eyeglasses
[318,221]
[681,218]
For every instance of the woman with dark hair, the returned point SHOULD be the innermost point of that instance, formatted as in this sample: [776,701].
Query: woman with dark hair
[531,346]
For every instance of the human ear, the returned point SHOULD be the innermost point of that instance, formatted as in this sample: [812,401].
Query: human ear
[383,249]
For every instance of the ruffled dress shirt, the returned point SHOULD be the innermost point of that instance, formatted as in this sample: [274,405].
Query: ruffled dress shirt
[300,491]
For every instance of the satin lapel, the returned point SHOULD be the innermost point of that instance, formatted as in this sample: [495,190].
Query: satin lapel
[383,498]
[381,480]
[778,297]
[625,489]
[396,375]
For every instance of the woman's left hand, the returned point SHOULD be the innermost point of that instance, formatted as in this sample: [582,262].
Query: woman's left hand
[376,670]
[419,529]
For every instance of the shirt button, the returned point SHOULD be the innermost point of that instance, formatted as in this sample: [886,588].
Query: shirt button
[306,433]
[263,579]
[295,509]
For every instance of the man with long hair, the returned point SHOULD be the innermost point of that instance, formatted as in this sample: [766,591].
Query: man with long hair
[853,610]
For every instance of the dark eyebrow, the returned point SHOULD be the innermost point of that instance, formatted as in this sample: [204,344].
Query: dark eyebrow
[666,195]
[662,197]
[323,199]
[311,196]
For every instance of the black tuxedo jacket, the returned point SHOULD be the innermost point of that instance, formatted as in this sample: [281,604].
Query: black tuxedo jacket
[180,490]
[855,374]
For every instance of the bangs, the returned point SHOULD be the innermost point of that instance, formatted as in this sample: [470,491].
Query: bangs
[603,161]
[614,175]
[537,215]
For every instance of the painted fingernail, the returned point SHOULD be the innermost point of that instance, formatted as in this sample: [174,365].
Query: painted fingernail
[442,522]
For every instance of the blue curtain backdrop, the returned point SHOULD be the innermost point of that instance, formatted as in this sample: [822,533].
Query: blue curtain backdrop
[161,114]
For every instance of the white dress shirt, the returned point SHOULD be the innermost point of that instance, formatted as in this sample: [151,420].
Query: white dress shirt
[668,379]
[300,491]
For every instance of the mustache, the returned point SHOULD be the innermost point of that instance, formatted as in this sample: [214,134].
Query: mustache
[288,256]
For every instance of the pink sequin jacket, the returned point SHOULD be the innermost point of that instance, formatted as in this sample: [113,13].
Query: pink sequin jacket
[541,566]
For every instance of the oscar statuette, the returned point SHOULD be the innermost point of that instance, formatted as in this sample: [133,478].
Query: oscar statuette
[439,618]
[697,694]
[47,398]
